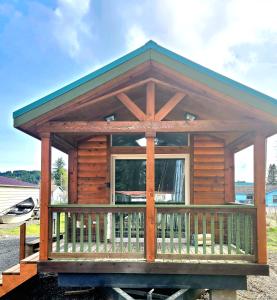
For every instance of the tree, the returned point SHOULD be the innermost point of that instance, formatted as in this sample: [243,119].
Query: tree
[59,173]
[272,174]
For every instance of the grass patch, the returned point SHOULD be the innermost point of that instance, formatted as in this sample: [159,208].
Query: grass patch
[31,230]
[272,238]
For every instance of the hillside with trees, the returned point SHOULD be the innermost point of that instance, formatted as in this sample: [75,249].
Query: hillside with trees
[27,176]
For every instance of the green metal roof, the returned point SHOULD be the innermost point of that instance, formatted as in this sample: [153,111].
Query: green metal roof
[150,51]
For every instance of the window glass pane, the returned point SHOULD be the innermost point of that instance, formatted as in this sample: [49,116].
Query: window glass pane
[130,180]
[162,139]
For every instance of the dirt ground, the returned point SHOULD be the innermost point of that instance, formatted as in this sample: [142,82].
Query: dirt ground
[262,287]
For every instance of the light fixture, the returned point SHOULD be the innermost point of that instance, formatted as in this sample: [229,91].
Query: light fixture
[110,118]
[189,116]
[141,142]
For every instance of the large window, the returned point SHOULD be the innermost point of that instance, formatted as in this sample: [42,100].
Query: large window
[171,179]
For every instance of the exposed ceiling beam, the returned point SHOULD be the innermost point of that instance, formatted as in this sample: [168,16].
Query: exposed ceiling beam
[169,106]
[131,106]
[150,126]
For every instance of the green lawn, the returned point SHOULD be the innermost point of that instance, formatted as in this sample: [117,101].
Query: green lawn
[32,230]
[272,238]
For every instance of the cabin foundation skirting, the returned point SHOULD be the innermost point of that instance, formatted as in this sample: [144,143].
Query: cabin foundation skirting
[153,281]
[127,267]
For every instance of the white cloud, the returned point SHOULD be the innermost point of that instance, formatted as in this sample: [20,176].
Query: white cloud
[135,38]
[70,26]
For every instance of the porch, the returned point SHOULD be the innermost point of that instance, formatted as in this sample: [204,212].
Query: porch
[182,232]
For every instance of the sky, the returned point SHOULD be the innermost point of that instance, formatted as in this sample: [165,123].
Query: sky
[49,43]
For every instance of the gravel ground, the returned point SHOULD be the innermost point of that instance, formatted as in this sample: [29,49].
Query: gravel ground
[9,251]
[262,287]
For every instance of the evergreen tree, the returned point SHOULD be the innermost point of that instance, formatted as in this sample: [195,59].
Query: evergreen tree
[272,174]
[59,173]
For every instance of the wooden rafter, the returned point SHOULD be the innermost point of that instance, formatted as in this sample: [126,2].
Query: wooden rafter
[150,102]
[149,126]
[169,106]
[131,106]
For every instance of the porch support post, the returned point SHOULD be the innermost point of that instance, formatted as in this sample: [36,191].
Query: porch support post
[45,195]
[229,175]
[150,200]
[22,241]
[150,227]
[72,176]
[259,196]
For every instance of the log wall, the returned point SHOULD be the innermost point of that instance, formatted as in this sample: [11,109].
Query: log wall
[208,170]
[93,171]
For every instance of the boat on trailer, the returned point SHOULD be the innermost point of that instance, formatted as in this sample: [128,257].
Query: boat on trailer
[18,213]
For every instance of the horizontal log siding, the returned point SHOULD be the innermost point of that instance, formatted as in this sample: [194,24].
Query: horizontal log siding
[208,170]
[93,164]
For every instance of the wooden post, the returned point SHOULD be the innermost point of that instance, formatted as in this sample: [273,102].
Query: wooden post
[45,195]
[229,176]
[150,200]
[150,177]
[22,241]
[72,176]
[259,196]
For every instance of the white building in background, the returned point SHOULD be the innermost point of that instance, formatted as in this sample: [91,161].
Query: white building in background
[13,191]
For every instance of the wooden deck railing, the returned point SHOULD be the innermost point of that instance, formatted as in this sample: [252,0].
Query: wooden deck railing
[182,232]
[101,231]
[206,232]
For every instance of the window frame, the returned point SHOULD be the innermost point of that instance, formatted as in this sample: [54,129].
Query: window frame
[185,156]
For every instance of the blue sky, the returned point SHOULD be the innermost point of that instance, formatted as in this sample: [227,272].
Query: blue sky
[48,43]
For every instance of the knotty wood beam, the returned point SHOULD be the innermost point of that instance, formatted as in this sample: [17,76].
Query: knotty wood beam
[131,106]
[150,101]
[169,106]
[150,200]
[259,196]
[45,195]
[148,126]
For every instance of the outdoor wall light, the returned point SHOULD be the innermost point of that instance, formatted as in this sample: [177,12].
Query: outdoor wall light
[110,118]
[189,116]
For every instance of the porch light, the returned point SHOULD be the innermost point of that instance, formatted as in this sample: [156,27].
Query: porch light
[141,142]
[189,116]
[110,118]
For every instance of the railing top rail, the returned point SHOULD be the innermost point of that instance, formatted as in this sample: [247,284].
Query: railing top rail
[97,206]
[227,207]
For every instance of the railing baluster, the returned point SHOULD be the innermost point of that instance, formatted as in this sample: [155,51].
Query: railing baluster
[188,232]
[171,233]
[137,233]
[204,229]
[196,233]
[113,232]
[163,232]
[82,233]
[221,233]
[229,233]
[212,233]
[121,232]
[97,233]
[237,233]
[73,232]
[89,232]
[65,232]
[58,232]
[105,231]
[129,232]
[179,233]
[246,234]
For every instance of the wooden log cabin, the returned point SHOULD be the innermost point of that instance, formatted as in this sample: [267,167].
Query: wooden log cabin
[151,139]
